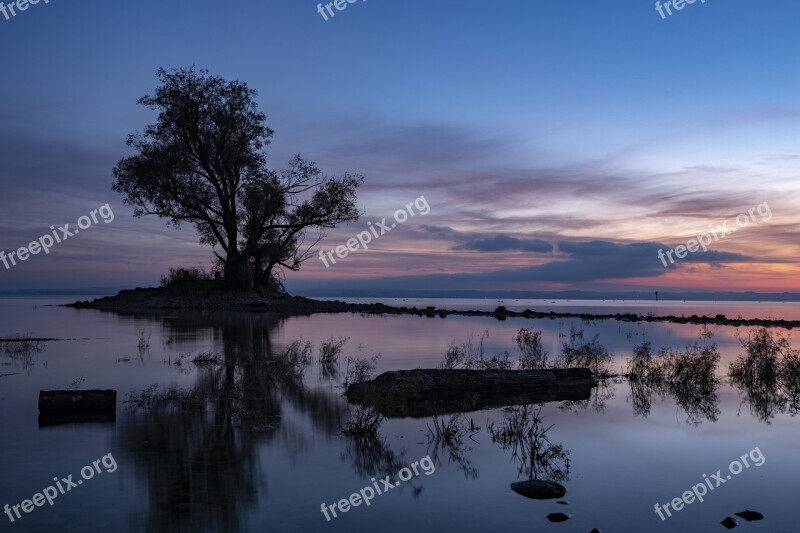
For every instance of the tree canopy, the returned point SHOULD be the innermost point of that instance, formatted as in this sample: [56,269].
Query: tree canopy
[204,162]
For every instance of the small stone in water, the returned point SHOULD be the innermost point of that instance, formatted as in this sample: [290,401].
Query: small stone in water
[558,517]
[750,515]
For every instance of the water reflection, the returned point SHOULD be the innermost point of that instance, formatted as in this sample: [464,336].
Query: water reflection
[687,375]
[698,403]
[195,450]
[372,457]
[602,393]
[451,438]
[767,398]
[19,349]
[767,375]
[524,433]
[200,474]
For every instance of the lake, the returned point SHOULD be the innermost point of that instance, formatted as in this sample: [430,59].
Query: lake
[239,447]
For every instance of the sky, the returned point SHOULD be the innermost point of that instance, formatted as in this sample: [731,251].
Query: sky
[559,145]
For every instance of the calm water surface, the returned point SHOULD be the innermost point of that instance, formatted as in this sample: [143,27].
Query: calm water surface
[245,451]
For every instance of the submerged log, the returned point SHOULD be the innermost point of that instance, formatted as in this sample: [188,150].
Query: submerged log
[435,391]
[72,402]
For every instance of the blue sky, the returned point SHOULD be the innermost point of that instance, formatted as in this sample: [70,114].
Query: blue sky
[565,121]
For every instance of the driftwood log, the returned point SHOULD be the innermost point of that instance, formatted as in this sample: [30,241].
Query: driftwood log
[72,402]
[422,392]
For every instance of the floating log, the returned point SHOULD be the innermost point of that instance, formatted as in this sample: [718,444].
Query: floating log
[426,392]
[72,402]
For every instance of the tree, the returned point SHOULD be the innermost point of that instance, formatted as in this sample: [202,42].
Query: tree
[278,215]
[203,162]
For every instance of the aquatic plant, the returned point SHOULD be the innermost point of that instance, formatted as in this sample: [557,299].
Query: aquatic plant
[21,344]
[143,341]
[206,358]
[360,369]
[471,355]
[689,375]
[768,374]
[291,363]
[330,350]
[364,422]
[584,354]
[455,357]
[766,357]
[529,342]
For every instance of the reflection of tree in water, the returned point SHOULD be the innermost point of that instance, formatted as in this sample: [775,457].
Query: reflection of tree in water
[767,375]
[688,376]
[446,438]
[765,398]
[603,392]
[579,353]
[524,433]
[373,459]
[769,396]
[699,401]
[197,451]
[199,471]
[20,349]
[642,398]
[456,454]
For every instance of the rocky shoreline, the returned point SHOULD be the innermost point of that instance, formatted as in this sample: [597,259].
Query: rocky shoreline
[284,304]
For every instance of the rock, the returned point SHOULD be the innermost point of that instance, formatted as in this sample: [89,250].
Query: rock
[750,516]
[539,489]
[562,502]
[729,523]
[558,517]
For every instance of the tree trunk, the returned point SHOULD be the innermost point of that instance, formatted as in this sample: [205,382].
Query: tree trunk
[266,275]
[237,272]
[257,269]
